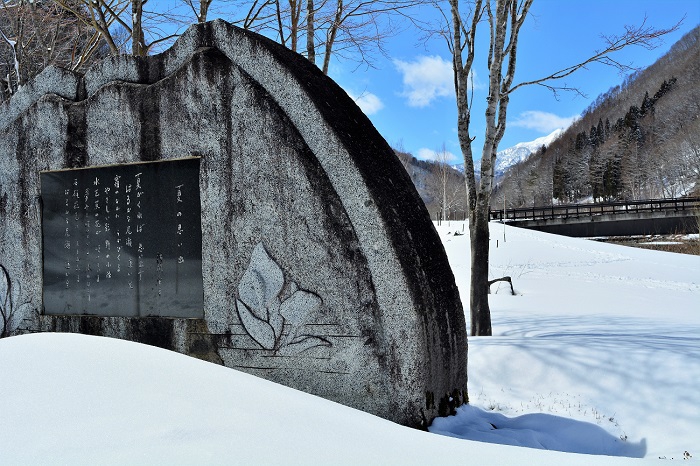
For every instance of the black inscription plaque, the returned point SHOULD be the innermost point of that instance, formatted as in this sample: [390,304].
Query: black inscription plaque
[123,240]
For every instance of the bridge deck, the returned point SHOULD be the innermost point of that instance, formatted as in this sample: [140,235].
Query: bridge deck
[689,204]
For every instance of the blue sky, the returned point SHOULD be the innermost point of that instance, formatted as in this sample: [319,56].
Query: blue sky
[409,95]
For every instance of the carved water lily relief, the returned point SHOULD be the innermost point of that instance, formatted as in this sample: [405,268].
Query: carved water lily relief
[275,324]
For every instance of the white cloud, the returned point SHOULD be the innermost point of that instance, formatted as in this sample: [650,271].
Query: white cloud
[426,79]
[429,154]
[543,122]
[369,103]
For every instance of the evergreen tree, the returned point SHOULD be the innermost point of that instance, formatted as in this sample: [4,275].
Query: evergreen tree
[558,183]
[612,180]
[601,130]
[631,120]
[595,176]
[593,138]
[647,105]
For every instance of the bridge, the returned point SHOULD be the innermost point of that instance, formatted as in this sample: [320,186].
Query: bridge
[623,218]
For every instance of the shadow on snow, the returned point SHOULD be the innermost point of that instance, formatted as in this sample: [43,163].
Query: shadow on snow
[542,431]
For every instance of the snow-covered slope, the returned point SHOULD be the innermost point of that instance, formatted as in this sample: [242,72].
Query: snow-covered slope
[519,152]
[599,353]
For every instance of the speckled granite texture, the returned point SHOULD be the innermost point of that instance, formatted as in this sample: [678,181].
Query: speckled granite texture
[321,268]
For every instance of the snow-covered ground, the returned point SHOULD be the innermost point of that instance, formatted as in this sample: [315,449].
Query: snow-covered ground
[600,333]
[599,352]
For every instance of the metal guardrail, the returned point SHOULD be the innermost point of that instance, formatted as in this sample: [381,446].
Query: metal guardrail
[589,210]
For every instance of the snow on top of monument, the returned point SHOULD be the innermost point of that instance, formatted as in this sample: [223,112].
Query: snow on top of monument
[608,336]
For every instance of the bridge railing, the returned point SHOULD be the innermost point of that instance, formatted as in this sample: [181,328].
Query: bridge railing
[589,210]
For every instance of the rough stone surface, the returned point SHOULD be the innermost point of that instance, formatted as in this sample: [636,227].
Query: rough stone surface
[320,265]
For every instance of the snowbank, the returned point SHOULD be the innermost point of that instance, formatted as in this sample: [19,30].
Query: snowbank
[598,353]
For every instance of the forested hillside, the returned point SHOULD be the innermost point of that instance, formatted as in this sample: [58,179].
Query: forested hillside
[639,140]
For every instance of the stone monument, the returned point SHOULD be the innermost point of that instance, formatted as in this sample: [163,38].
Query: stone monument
[227,200]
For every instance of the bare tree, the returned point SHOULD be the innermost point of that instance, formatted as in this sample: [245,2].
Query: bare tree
[11,65]
[281,19]
[34,35]
[449,185]
[352,29]
[504,18]
[109,18]
[100,15]
[310,31]
[443,175]
[403,155]
[200,10]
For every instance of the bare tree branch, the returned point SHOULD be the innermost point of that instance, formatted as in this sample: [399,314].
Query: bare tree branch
[350,29]
[640,36]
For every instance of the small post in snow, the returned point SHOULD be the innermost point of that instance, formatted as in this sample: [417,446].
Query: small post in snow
[504,217]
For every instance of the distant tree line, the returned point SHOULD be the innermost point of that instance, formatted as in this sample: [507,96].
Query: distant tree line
[440,186]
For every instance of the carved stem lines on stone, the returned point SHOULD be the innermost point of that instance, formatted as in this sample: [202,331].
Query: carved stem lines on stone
[9,296]
[265,317]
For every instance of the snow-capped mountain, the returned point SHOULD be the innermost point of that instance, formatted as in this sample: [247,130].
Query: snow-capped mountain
[519,152]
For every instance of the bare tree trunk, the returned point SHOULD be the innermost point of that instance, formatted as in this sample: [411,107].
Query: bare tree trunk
[310,32]
[505,18]
[203,11]
[443,175]
[332,33]
[100,23]
[480,312]
[15,65]
[444,204]
[280,24]
[138,46]
[505,23]
[295,8]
